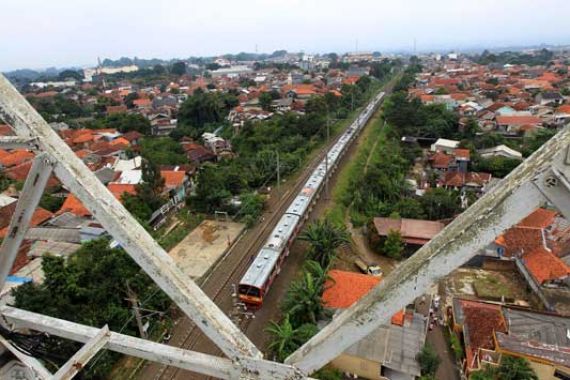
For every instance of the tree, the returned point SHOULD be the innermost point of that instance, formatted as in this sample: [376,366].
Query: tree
[265,100]
[303,300]
[162,151]
[394,246]
[123,122]
[440,203]
[202,108]
[512,368]
[324,238]
[286,339]
[428,359]
[5,182]
[90,287]
[251,208]
[178,68]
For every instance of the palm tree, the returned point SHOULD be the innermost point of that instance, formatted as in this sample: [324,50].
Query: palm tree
[283,343]
[512,368]
[303,300]
[287,339]
[324,238]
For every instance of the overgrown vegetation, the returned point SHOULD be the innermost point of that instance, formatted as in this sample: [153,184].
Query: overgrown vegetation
[429,361]
[510,368]
[91,288]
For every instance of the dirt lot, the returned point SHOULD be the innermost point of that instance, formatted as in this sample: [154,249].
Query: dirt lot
[487,285]
[204,246]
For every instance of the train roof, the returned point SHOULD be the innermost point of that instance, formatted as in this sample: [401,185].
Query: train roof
[261,268]
[299,205]
[282,232]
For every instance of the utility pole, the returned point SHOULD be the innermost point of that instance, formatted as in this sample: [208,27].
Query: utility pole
[278,177]
[133,299]
[327,157]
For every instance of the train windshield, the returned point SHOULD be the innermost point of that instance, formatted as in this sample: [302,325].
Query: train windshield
[251,291]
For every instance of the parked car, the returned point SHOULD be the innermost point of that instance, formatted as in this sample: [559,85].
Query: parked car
[370,269]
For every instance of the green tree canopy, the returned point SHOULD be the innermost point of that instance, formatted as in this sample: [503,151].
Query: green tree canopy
[394,245]
[429,360]
[324,238]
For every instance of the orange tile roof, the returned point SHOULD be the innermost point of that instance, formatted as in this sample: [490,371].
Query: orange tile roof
[120,140]
[462,153]
[3,153]
[83,138]
[564,109]
[142,102]
[16,157]
[172,178]
[482,320]
[118,189]
[517,240]
[82,153]
[518,120]
[545,266]
[539,218]
[440,160]
[40,215]
[74,206]
[345,288]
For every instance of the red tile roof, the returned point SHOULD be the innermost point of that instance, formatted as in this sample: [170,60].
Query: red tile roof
[413,231]
[118,189]
[545,266]
[462,153]
[460,179]
[173,179]
[518,120]
[5,130]
[15,158]
[74,206]
[20,173]
[481,320]
[40,216]
[345,288]
[518,240]
[539,218]
[440,160]
[564,109]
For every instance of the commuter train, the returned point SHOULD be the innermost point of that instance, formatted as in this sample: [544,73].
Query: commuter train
[266,265]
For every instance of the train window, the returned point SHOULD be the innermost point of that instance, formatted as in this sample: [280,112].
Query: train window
[247,290]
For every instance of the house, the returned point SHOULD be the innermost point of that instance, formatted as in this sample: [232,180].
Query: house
[516,124]
[39,217]
[472,181]
[414,232]
[475,323]
[196,153]
[543,339]
[175,183]
[389,352]
[444,145]
[562,115]
[490,331]
[549,98]
[500,151]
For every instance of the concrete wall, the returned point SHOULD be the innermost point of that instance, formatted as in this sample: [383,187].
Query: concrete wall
[362,367]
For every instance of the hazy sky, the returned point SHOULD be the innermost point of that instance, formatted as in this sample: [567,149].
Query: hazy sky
[41,33]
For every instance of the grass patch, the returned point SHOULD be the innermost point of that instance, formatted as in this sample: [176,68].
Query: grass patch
[187,222]
[367,151]
[493,288]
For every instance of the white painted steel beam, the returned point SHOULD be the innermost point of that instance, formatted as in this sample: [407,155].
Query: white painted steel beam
[29,200]
[506,204]
[35,365]
[27,123]
[14,142]
[77,362]
[160,353]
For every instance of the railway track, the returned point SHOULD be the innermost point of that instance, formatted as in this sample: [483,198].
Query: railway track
[218,285]
[239,262]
